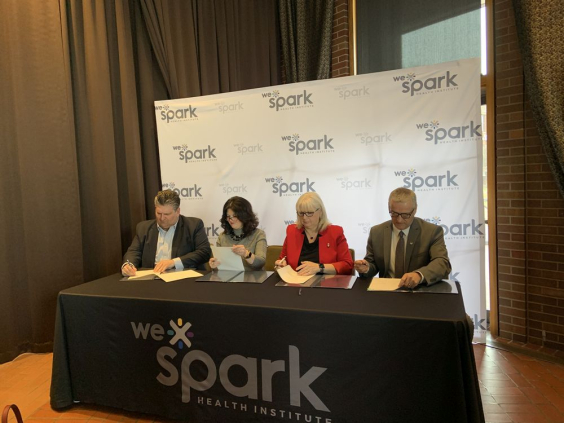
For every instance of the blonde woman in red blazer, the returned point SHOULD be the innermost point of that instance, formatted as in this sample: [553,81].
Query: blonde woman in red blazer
[313,245]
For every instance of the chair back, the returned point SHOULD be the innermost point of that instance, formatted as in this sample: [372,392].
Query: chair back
[351,250]
[272,254]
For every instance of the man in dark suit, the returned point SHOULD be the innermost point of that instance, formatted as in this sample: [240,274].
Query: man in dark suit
[169,241]
[405,247]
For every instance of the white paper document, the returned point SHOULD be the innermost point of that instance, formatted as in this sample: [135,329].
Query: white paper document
[141,274]
[384,284]
[289,275]
[228,259]
[175,276]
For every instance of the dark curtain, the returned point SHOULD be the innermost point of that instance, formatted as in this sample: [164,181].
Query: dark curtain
[100,40]
[540,26]
[40,210]
[214,46]
[80,156]
[306,27]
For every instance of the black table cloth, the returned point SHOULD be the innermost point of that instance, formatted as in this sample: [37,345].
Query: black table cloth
[204,351]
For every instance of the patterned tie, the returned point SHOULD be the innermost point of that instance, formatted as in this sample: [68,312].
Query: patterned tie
[400,257]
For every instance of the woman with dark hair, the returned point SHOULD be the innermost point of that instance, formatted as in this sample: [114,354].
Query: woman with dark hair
[241,233]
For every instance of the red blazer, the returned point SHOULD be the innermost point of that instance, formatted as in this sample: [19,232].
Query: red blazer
[333,248]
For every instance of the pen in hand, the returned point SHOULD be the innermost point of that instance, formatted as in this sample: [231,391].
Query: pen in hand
[129,269]
[277,266]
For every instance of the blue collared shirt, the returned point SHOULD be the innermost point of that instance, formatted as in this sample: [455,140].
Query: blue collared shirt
[164,246]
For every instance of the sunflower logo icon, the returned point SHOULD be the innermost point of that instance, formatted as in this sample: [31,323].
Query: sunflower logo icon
[410,77]
[275,93]
[411,173]
[434,124]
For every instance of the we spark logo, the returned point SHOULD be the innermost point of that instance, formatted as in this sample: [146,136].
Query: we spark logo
[244,149]
[433,182]
[233,189]
[212,231]
[289,189]
[310,146]
[229,107]
[466,230]
[179,361]
[448,135]
[347,183]
[353,93]
[364,227]
[295,101]
[170,115]
[413,86]
[197,155]
[367,138]
[186,193]
[178,332]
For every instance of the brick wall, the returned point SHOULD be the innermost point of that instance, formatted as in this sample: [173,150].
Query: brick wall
[340,40]
[530,209]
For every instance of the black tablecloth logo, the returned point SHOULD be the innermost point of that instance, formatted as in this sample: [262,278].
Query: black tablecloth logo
[207,370]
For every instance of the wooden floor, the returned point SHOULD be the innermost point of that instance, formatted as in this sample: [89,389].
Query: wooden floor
[515,388]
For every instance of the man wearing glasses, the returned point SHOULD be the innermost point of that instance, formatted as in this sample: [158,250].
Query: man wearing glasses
[168,241]
[405,247]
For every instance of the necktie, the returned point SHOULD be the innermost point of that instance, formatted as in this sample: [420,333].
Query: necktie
[400,257]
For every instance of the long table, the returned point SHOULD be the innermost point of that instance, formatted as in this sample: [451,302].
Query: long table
[230,352]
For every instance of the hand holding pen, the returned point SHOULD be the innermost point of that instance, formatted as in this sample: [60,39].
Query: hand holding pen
[280,263]
[128,269]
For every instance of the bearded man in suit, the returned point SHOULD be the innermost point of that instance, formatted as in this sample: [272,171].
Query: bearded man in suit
[405,247]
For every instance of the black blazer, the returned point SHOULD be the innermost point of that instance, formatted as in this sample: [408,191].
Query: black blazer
[190,244]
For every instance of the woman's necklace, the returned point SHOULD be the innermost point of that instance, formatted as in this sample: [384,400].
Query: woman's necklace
[311,237]
[237,237]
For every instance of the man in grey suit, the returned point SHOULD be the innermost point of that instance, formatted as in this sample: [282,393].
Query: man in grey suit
[405,247]
[169,241]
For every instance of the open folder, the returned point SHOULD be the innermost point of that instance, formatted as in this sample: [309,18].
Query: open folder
[290,276]
[391,284]
[168,276]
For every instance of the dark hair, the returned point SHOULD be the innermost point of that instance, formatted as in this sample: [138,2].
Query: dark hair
[167,197]
[244,211]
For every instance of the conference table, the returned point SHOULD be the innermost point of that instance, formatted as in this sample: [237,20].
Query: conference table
[230,352]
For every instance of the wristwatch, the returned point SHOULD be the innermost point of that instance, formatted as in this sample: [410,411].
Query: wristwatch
[321,268]
[248,256]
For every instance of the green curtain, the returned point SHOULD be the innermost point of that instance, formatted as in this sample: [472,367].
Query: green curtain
[306,27]
[540,26]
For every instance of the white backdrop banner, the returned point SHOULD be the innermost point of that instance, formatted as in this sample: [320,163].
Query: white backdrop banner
[353,140]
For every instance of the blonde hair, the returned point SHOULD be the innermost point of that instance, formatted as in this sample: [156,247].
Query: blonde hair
[310,202]
[402,195]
